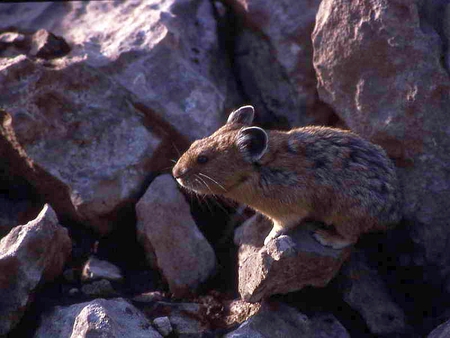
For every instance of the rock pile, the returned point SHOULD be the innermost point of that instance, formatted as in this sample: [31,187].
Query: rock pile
[97,101]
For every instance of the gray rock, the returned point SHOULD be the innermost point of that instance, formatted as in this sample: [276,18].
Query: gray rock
[186,319]
[371,77]
[100,288]
[29,255]
[286,264]
[165,52]
[280,320]
[107,147]
[274,60]
[366,292]
[113,318]
[171,239]
[95,268]
[162,324]
[442,331]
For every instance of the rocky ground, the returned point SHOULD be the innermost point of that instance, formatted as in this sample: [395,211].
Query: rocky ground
[97,101]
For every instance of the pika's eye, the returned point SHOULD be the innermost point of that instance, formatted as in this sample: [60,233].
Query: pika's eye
[202,159]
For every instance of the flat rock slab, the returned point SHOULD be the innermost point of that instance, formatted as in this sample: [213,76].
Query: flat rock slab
[286,264]
[171,238]
[30,254]
[99,318]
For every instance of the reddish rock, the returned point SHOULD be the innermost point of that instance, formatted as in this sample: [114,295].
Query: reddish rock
[171,238]
[382,73]
[286,264]
[30,254]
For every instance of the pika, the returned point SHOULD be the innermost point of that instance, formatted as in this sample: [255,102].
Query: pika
[321,173]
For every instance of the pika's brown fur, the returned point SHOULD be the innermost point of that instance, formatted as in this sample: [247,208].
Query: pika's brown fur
[321,173]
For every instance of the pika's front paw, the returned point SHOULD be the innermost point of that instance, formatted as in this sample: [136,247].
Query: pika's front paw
[273,234]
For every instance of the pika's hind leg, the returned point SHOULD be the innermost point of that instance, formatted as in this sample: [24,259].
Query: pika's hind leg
[333,239]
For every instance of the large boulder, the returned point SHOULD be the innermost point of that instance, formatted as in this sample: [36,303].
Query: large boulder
[286,264]
[273,55]
[99,318]
[165,52]
[29,255]
[172,241]
[380,68]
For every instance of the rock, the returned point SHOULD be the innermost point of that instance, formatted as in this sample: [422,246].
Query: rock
[365,291]
[370,75]
[273,56]
[162,324]
[165,52]
[106,158]
[280,320]
[99,318]
[286,264]
[98,269]
[45,45]
[442,331]
[186,319]
[171,239]
[100,288]
[29,255]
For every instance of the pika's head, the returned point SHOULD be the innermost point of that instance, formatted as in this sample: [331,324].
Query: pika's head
[221,162]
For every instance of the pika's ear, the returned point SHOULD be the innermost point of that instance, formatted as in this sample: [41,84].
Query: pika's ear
[243,115]
[252,142]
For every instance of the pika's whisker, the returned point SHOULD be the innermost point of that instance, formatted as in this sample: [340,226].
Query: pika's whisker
[214,181]
[172,160]
[204,182]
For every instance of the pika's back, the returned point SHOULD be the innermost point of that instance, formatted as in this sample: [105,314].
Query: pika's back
[341,162]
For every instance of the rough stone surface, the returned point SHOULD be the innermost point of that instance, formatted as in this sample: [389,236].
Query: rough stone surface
[165,52]
[286,264]
[442,331]
[45,45]
[114,318]
[100,288]
[365,291]
[371,76]
[169,234]
[280,320]
[107,148]
[98,269]
[186,319]
[273,56]
[30,254]
[162,324]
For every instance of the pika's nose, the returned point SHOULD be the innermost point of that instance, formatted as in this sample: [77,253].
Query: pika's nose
[179,172]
